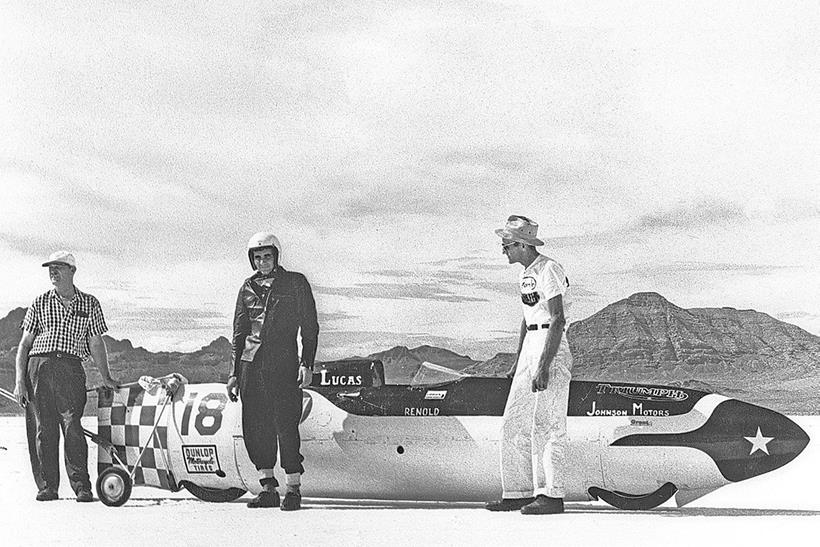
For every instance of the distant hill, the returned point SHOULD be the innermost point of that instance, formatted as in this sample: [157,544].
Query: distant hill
[402,364]
[208,364]
[646,335]
[647,339]
[10,328]
[643,338]
[498,365]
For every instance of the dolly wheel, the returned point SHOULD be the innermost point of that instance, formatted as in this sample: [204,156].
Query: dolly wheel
[114,486]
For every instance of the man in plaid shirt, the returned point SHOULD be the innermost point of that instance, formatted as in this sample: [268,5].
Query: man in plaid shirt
[61,328]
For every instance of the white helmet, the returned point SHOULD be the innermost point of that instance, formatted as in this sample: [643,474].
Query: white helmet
[261,240]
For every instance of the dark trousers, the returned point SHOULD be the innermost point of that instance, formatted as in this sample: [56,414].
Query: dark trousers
[31,437]
[57,400]
[271,409]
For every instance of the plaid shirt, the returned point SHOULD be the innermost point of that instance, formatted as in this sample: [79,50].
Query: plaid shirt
[66,329]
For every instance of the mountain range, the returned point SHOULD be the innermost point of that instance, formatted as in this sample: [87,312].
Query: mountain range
[643,338]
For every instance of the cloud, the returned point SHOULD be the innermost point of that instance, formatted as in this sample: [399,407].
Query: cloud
[327,318]
[673,268]
[579,290]
[696,215]
[68,188]
[455,277]
[483,160]
[395,273]
[458,277]
[798,315]
[38,246]
[154,318]
[476,259]
[114,284]
[389,134]
[379,202]
[790,209]
[393,291]
[503,287]
[810,322]
[470,274]
[693,216]
[157,317]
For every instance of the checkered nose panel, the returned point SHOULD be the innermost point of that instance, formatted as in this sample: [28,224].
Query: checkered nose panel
[126,417]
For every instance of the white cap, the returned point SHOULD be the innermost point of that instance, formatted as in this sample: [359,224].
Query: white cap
[61,257]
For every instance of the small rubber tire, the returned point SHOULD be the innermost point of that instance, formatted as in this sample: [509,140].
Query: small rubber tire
[114,486]
[215,495]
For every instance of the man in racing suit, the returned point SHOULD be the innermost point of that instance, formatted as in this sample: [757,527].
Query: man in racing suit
[274,306]
[534,427]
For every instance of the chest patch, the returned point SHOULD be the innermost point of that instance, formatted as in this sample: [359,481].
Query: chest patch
[528,284]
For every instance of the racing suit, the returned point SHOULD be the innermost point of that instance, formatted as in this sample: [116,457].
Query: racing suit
[270,312]
[535,423]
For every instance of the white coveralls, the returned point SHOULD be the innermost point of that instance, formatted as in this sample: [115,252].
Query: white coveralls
[535,423]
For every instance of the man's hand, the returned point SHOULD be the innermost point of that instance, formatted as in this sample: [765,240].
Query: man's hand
[541,379]
[233,389]
[110,383]
[21,394]
[21,368]
[511,372]
[305,376]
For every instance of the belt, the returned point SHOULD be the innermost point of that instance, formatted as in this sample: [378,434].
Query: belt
[536,327]
[58,355]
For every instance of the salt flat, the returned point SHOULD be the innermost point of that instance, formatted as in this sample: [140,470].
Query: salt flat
[768,510]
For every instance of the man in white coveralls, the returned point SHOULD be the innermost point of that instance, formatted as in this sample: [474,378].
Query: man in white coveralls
[535,418]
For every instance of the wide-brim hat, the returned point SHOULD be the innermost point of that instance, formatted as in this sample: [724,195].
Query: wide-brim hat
[61,257]
[520,229]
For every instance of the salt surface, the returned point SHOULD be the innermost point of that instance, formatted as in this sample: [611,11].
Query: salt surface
[771,509]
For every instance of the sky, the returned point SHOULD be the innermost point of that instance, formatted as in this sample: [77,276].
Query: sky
[660,147]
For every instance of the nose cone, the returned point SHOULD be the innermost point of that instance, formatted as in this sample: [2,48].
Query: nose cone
[744,440]
[747,440]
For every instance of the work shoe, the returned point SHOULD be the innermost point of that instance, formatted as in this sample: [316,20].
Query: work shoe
[508,504]
[46,494]
[292,500]
[265,498]
[544,505]
[84,495]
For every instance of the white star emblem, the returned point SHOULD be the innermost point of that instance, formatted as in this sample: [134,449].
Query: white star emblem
[759,442]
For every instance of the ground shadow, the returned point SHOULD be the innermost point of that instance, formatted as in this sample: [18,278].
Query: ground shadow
[581,508]
[695,511]
[570,508]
